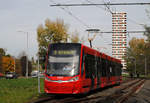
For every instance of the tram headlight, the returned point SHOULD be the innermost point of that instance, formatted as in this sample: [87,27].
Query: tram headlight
[74,79]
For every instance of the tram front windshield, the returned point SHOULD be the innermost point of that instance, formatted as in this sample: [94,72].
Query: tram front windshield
[63,60]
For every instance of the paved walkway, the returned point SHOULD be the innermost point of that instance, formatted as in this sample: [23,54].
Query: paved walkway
[142,96]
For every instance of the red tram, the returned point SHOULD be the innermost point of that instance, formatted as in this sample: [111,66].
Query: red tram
[72,68]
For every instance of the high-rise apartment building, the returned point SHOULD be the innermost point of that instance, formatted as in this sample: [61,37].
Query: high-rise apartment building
[119,41]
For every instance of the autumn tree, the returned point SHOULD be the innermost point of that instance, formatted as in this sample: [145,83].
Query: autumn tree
[136,53]
[136,48]
[7,64]
[137,45]
[51,32]
[147,46]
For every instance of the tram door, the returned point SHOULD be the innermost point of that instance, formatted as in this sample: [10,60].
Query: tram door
[91,69]
[89,73]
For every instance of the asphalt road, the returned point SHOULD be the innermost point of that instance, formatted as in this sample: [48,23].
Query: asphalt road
[142,95]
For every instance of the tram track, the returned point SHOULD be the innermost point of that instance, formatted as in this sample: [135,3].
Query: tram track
[107,97]
[130,91]
[105,94]
[43,99]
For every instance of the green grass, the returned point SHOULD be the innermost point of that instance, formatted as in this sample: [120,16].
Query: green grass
[19,90]
[148,76]
[125,75]
[141,75]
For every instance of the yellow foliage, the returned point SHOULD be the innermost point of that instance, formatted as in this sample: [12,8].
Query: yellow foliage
[51,32]
[137,45]
[8,64]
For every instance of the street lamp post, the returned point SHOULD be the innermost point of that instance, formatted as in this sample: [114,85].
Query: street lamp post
[27,54]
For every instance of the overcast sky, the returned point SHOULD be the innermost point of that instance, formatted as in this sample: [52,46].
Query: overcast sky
[26,15]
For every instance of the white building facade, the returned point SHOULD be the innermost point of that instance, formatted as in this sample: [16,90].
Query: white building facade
[119,40]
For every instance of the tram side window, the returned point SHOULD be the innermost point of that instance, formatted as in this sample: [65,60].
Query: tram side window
[118,69]
[83,60]
[87,67]
[113,69]
[99,66]
[95,66]
[103,67]
[109,69]
[92,62]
